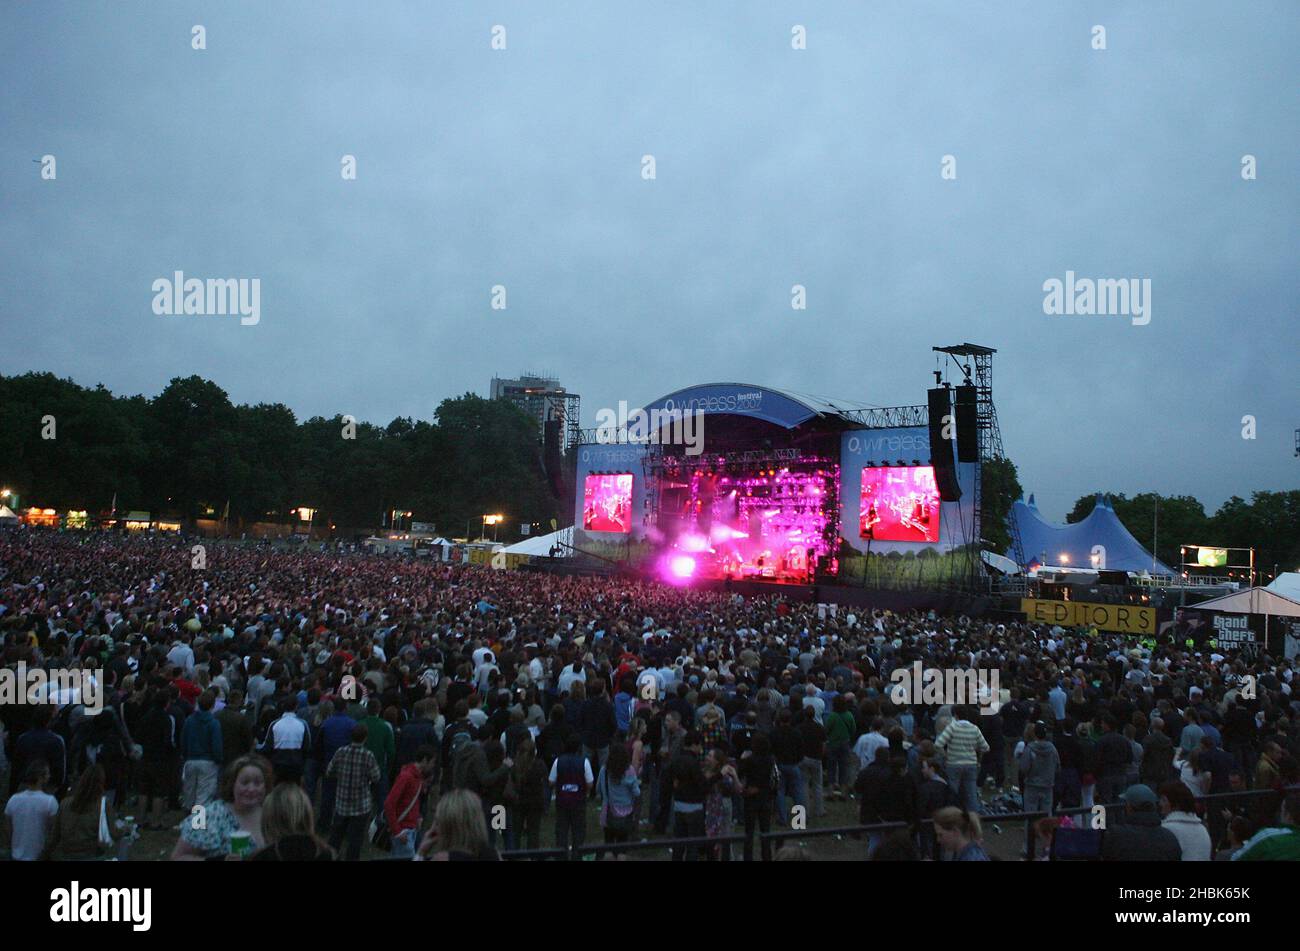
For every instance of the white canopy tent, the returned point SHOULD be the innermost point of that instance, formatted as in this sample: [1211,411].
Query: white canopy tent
[1252,601]
[1258,601]
[540,545]
[1286,584]
[7,516]
[1000,563]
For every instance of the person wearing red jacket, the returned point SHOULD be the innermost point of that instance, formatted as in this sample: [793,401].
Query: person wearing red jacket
[402,807]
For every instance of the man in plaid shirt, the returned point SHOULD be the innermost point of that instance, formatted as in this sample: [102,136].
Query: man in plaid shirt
[355,770]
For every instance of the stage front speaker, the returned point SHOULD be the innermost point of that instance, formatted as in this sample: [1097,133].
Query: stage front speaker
[945,469]
[968,440]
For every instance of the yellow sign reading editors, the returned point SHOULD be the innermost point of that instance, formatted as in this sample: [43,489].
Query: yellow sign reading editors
[1124,618]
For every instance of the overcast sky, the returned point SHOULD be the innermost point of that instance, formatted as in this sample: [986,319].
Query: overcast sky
[774,167]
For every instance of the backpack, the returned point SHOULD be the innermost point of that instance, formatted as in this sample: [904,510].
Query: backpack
[570,781]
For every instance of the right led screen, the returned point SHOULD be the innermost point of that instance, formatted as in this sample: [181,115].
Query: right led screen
[899,504]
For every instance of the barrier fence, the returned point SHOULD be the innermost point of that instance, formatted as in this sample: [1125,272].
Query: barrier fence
[776,838]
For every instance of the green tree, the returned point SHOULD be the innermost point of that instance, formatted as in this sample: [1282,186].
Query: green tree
[999,490]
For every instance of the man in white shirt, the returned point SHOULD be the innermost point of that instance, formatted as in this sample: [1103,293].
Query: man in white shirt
[816,703]
[569,674]
[182,656]
[868,743]
[29,815]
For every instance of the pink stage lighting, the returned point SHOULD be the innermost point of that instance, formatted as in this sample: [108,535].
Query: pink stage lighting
[682,566]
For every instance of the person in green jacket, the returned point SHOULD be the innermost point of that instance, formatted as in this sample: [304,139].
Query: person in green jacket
[841,731]
[381,741]
[1280,843]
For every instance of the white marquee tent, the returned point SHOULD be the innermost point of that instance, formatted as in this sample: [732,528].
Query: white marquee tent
[540,545]
[1260,601]
[1286,584]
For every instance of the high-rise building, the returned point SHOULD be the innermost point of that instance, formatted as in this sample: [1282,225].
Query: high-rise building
[544,399]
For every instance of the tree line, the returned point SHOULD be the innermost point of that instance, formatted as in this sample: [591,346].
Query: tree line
[1269,522]
[190,452]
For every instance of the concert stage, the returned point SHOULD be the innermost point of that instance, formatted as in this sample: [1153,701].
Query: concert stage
[741,483]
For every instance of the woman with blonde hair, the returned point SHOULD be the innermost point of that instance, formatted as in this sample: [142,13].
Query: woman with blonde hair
[458,832]
[959,834]
[289,828]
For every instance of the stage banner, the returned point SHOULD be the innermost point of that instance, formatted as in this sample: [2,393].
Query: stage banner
[1225,630]
[497,559]
[1232,630]
[1122,618]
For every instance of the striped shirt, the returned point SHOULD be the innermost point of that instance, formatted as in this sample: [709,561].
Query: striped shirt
[963,742]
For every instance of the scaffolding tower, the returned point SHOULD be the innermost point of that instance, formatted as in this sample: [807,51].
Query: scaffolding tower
[977,369]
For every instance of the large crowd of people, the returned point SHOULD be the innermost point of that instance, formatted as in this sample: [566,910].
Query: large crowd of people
[263,704]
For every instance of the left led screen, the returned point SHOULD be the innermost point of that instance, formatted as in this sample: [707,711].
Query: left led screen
[607,503]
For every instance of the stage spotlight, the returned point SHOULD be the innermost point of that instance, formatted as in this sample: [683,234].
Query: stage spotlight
[682,566]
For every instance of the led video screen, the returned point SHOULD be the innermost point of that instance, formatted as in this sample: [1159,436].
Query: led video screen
[607,503]
[899,504]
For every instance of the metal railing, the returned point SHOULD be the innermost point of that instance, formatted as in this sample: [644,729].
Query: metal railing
[1029,818]
[575,853]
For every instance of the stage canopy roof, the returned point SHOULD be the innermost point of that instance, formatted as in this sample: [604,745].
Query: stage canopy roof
[782,407]
[1046,543]
[1252,601]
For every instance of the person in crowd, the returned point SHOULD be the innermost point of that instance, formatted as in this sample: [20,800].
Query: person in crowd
[229,826]
[1138,835]
[1179,810]
[1279,842]
[289,828]
[723,782]
[841,731]
[355,773]
[618,787]
[202,752]
[528,798]
[43,744]
[381,740]
[812,735]
[1040,765]
[402,806]
[158,733]
[787,747]
[571,777]
[459,832]
[959,834]
[689,789]
[963,744]
[759,779]
[288,743]
[30,814]
[86,826]
[1238,832]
